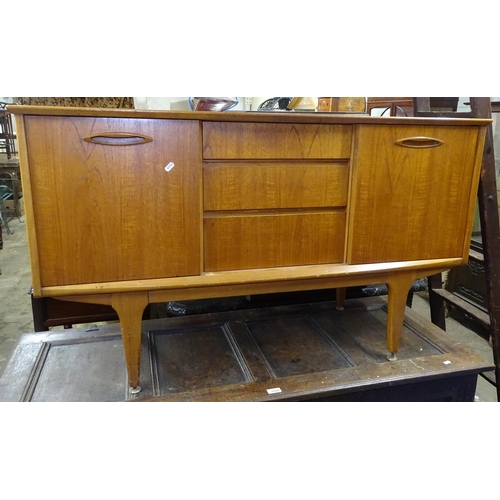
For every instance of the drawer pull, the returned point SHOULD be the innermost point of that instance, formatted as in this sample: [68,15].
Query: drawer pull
[419,142]
[117,139]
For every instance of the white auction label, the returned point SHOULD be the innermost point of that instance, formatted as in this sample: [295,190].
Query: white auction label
[276,390]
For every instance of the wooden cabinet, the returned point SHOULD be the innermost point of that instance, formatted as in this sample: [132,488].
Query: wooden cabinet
[127,208]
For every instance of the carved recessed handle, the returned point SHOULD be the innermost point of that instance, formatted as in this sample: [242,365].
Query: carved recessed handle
[419,142]
[117,139]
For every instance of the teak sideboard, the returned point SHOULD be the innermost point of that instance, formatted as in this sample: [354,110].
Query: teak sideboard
[131,207]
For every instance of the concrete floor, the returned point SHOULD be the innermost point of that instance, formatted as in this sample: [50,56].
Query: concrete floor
[16,316]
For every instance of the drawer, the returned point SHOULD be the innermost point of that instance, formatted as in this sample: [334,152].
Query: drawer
[229,140]
[247,186]
[250,241]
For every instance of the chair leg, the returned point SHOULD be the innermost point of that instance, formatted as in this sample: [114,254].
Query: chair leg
[3,217]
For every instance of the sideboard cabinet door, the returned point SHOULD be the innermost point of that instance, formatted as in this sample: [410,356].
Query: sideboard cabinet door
[410,197]
[110,204]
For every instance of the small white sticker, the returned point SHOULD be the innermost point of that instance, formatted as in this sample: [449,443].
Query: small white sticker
[446,362]
[276,390]
[170,166]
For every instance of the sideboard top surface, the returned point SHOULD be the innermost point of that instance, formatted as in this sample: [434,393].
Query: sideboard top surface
[242,116]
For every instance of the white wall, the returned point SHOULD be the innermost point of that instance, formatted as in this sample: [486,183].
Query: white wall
[155,102]
[174,103]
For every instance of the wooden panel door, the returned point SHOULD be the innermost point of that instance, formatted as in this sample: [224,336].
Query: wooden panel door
[412,203]
[106,212]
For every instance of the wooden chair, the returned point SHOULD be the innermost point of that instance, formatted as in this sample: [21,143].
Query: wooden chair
[7,135]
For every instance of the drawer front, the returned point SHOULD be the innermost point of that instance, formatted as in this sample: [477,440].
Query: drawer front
[247,186]
[251,241]
[227,140]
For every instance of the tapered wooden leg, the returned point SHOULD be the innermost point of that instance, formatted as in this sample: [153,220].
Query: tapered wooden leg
[130,308]
[398,288]
[340,298]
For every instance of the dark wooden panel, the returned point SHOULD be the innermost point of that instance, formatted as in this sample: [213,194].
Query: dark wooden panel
[469,281]
[454,389]
[302,352]
[364,337]
[293,346]
[193,359]
[57,373]
[74,365]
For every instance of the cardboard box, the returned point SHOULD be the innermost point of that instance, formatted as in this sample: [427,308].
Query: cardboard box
[10,209]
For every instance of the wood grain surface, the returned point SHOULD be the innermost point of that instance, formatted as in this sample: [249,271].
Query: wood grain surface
[105,213]
[275,141]
[410,204]
[258,240]
[243,186]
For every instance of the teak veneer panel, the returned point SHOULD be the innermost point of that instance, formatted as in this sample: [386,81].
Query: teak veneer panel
[247,186]
[112,213]
[411,204]
[263,240]
[275,141]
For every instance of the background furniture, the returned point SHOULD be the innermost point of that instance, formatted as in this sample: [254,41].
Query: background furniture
[49,312]
[469,282]
[390,106]
[7,136]
[11,187]
[240,204]
[490,235]
[403,106]
[5,194]
[84,102]
[342,104]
